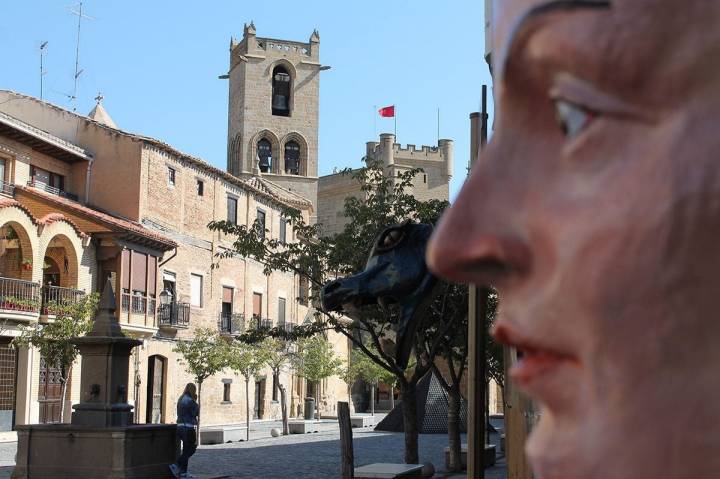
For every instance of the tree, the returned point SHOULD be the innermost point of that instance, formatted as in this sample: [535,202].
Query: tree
[452,346]
[277,352]
[318,258]
[372,373]
[315,360]
[248,360]
[54,339]
[203,355]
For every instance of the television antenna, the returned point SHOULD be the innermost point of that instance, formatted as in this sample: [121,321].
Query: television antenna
[77,10]
[43,46]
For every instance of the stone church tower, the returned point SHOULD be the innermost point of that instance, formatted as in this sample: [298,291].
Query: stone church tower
[273,111]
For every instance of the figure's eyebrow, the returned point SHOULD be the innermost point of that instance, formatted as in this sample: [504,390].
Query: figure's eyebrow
[538,11]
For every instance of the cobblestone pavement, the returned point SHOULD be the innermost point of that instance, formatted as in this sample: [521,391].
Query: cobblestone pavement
[299,456]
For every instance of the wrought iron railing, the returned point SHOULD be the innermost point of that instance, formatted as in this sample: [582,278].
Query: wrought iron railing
[137,304]
[19,295]
[174,315]
[258,323]
[231,323]
[288,327]
[55,298]
[51,189]
[7,188]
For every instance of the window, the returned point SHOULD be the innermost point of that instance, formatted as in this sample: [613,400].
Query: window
[226,390]
[169,284]
[283,230]
[232,210]
[171,176]
[281,87]
[292,158]
[281,311]
[264,153]
[275,386]
[303,290]
[47,178]
[200,187]
[260,223]
[196,290]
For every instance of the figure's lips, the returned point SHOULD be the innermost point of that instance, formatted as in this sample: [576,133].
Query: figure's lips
[542,370]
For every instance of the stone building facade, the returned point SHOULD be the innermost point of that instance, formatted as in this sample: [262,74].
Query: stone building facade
[432,183]
[164,199]
[273,111]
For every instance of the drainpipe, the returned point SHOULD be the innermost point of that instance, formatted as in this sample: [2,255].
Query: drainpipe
[88,174]
[171,257]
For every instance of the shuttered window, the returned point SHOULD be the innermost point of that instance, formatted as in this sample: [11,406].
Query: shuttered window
[281,311]
[139,271]
[196,290]
[232,210]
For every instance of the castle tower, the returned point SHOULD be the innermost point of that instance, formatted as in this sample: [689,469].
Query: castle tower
[273,111]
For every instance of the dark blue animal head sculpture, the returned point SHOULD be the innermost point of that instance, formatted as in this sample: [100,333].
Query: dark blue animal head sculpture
[395,272]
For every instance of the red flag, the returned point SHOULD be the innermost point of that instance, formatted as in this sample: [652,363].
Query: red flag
[387,112]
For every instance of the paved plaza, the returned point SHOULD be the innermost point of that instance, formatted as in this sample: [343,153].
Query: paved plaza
[298,456]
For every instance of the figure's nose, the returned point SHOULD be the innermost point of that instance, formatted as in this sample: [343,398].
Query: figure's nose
[479,239]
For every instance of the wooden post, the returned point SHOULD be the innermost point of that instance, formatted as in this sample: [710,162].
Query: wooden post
[347,459]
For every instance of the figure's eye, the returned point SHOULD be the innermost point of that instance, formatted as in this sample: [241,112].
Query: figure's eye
[390,239]
[572,118]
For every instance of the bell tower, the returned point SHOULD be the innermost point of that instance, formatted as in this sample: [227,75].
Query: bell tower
[273,110]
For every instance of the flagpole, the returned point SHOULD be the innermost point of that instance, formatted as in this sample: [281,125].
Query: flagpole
[395,118]
[438,125]
[375,114]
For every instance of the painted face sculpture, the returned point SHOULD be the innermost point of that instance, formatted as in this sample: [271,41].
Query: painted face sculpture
[395,272]
[595,212]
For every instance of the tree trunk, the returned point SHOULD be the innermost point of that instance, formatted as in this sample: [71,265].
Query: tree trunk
[199,406]
[410,423]
[63,391]
[392,396]
[372,399]
[247,408]
[283,409]
[454,399]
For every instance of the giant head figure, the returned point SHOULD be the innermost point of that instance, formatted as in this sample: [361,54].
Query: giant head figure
[595,212]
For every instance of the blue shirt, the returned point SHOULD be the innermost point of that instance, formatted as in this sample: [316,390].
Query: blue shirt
[187,410]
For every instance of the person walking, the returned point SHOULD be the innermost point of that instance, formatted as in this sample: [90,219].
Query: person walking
[188,412]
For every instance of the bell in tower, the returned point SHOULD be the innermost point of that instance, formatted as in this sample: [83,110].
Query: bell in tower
[281,87]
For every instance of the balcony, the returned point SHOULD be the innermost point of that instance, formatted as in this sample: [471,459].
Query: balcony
[231,323]
[55,298]
[138,304]
[19,297]
[7,188]
[174,315]
[260,323]
[287,327]
[52,190]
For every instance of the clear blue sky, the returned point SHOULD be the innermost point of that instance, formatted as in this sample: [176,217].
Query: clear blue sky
[157,64]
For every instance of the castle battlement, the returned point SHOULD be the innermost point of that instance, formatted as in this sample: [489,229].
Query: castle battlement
[253,46]
[395,154]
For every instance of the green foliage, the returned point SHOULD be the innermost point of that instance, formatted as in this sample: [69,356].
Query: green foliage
[204,355]
[247,359]
[277,352]
[315,359]
[54,339]
[362,367]
[493,350]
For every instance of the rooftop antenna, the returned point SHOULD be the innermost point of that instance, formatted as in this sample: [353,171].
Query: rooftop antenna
[43,46]
[78,70]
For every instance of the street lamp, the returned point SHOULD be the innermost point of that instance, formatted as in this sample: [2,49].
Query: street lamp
[166,296]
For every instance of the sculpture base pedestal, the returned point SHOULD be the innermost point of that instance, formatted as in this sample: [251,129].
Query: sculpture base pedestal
[62,451]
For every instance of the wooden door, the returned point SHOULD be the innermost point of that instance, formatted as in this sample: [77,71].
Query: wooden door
[155,390]
[257,307]
[256,410]
[49,393]
[8,382]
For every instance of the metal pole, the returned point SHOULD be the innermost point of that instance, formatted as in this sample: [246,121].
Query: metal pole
[476,330]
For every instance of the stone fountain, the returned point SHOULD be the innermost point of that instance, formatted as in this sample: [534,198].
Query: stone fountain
[101,442]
